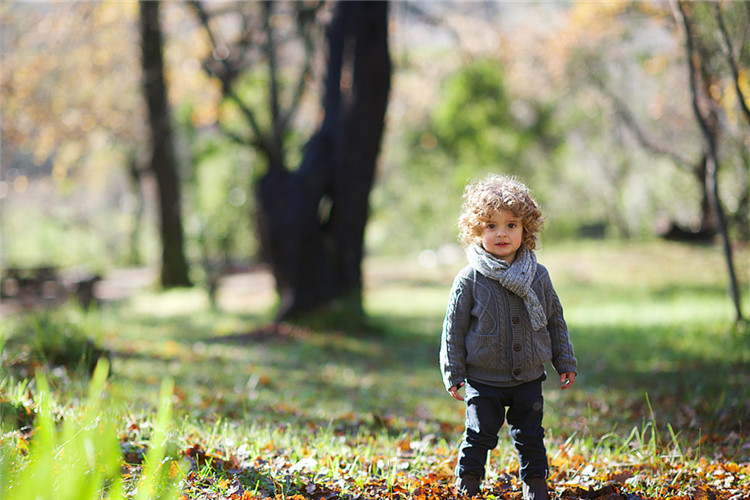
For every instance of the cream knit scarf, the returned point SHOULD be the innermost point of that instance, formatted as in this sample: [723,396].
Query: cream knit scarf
[516,278]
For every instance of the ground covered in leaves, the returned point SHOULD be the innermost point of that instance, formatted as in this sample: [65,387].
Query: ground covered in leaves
[659,410]
[236,474]
[396,460]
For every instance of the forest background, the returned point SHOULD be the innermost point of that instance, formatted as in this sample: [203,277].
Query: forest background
[591,104]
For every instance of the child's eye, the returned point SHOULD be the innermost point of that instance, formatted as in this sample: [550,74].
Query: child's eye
[512,225]
[490,226]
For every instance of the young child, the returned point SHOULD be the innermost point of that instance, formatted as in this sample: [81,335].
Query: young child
[504,321]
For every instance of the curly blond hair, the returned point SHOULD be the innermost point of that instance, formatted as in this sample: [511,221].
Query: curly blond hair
[494,193]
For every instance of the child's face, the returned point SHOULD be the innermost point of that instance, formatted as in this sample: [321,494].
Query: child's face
[502,235]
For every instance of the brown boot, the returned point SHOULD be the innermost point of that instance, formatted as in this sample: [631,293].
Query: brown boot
[535,488]
[468,485]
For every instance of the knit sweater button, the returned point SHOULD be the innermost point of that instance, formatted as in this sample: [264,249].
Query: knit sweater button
[516,320]
[517,372]
[516,347]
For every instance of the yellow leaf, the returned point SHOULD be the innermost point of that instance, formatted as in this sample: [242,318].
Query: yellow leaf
[174,469]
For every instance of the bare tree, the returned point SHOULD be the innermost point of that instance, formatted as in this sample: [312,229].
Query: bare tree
[163,163]
[706,116]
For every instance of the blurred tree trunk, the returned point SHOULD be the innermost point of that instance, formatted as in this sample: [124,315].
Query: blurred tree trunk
[312,220]
[135,175]
[163,163]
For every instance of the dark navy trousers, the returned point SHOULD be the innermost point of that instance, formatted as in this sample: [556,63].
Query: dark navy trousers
[485,414]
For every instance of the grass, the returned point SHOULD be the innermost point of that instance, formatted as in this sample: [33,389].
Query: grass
[663,374]
[656,320]
[79,458]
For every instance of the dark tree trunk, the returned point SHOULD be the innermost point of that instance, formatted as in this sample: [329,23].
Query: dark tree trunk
[174,269]
[312,220]
[709,223]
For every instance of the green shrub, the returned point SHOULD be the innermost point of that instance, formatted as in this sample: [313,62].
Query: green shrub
[54,339]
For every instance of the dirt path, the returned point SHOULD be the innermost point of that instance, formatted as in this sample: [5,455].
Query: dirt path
[236,291]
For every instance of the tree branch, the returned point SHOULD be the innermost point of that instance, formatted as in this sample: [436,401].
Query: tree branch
[305,19]
[235,137]
[226,74]
[270,51]
[641,135]
[204,19]
[262,140]
[729,54]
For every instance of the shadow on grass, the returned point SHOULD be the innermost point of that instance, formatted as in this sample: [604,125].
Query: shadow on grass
[691,376]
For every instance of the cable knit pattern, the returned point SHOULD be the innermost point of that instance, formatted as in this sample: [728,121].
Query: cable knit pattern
[488,334]
[517,278]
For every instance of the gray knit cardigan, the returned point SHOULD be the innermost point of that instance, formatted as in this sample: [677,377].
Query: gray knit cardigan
[487,334]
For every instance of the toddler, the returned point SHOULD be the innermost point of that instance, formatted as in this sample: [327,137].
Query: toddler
[504,322]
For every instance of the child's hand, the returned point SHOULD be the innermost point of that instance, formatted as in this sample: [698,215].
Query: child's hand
[454,391]
[567,379]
